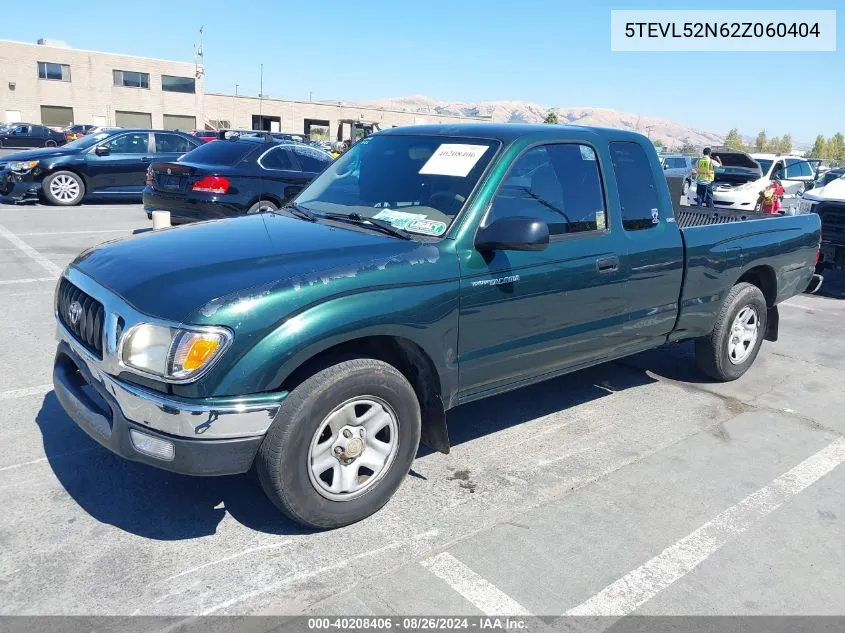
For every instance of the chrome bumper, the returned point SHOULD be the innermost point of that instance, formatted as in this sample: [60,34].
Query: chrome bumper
[209,419]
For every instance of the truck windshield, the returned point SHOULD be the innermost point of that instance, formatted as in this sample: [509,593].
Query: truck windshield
[417,183]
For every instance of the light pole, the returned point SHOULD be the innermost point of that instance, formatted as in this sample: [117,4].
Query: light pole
[234,100]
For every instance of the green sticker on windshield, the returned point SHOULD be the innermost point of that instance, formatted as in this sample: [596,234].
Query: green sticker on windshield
[399,219]
[426,227]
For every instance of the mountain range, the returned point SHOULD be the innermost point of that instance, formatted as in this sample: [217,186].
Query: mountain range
[672,133]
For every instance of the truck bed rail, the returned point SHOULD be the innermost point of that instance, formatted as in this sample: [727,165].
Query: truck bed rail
[703,216]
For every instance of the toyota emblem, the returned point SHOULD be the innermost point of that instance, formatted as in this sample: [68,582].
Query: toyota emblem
[74,311]
[168,171]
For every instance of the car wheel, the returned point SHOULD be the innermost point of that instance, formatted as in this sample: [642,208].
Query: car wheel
[730,349]
[341,444]
[49,143]
[261,206]
[64,188]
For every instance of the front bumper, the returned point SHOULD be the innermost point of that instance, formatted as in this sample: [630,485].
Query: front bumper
[19,187]
[208,436]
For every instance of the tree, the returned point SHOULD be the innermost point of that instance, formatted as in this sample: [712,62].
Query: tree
[687,148]
[785,144]
[819,148]
[836,147]
[772,145]
[734,141]
[659,145]
[760,141]
[551,118]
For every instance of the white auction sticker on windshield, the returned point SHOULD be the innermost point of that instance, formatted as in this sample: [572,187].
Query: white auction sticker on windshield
[399,219]
[426,227]
[453,159]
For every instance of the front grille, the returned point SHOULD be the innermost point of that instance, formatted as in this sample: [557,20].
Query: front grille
[833,221]
[87,326]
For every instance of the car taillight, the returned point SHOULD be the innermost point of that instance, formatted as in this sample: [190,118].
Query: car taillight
[212,184]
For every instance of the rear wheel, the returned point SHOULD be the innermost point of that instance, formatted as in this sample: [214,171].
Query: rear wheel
[261,206]
[50,143]
[64,188]
[732,346]
[341,444]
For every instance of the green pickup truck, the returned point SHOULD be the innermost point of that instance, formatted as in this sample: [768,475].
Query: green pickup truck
[428,267]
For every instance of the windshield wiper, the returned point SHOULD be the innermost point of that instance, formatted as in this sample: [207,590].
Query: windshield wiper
[299,211]
[380,225]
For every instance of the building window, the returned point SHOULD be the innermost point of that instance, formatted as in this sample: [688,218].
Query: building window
[54,72]
[218,124]
[131,79]
[169,83]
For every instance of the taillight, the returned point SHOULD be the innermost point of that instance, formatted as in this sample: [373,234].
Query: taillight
[818,256]
[212,184]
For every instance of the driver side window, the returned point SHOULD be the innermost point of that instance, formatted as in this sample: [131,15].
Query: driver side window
[137,143]
[557,183]
[777,171]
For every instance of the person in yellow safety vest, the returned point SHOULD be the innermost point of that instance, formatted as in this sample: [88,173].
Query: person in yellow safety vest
[337,150]
[705,173]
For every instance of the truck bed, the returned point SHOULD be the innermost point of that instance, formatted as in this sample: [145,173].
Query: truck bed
[689,216]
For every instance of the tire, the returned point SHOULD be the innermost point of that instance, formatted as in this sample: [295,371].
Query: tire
[284,460]
[50,143]
[719,355]
[63,188]
[261,205]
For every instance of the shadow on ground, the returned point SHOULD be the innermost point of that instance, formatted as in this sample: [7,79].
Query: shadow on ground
[144,500]
[160,505]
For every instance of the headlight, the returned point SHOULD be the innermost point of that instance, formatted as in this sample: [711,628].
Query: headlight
[22,165]
[746,186]
[173,353]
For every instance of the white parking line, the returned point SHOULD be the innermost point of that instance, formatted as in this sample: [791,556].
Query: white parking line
[485,596]
[26,391]
[30,252]
[31,280]
[344,562]
[48,233]
[641,585]
[227,559]
[789,304]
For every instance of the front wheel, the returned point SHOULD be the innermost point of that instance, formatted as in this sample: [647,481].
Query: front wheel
[50,143]
[64,188]
[341,444]
[730,349]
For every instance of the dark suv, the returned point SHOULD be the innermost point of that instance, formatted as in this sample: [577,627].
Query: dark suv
[106,163]
[30,135]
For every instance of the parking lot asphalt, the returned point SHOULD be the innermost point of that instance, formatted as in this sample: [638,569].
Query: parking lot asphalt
[634,487]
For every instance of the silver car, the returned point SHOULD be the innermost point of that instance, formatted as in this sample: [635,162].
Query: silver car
[678,166]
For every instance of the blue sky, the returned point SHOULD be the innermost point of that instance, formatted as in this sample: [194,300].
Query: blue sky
[550,52]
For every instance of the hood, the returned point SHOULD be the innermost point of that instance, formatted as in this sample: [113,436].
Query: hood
[195,270]
[834,191]
[39,154]
[735,159]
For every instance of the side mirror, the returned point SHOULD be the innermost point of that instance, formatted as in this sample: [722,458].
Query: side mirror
[665,166]
[102,150]
[516,233]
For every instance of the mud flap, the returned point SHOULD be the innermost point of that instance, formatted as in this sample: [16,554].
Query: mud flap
[772,323]
[434,432]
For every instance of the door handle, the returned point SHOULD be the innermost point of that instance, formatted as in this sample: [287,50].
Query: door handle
[607,264]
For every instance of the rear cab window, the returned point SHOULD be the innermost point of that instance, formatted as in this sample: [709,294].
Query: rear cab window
[220,152]
[637,190]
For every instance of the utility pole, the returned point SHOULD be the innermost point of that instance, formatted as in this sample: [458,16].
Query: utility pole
[648,129]
[310,95]
[261,97]
[234,100]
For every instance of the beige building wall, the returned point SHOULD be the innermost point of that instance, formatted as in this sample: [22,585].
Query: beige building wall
[91,91]
[238,112]
[94,98]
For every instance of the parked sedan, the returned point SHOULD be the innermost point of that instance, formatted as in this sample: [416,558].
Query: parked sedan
[30,135]
[106,164]
[236,176]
